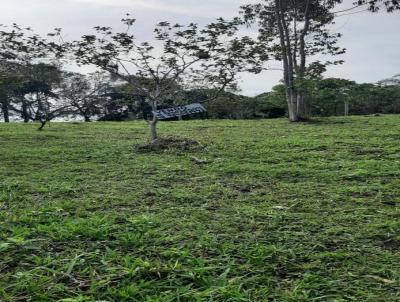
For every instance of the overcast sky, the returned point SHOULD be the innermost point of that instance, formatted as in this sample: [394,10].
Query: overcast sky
[372,41]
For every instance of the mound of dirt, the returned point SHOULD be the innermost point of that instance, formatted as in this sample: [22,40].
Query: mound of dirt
[170,144]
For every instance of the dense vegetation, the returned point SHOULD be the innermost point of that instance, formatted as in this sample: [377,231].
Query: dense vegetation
[44,92]
[269,211]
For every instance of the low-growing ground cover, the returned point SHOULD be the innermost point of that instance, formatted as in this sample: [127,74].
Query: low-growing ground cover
[261,211]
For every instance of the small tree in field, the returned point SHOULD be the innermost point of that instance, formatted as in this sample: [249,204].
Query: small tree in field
[180,59]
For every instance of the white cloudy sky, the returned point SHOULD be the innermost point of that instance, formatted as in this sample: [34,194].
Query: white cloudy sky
[373,41]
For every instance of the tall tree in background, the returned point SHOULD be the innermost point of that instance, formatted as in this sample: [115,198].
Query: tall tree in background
[11,80]
[377,5]
[393,81]
[186,55]
[40,94]
[85,94]
[22,54]
[295,31]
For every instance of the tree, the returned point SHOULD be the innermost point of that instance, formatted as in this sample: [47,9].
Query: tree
[187,55]
[294,32]
[40,94]
[393,81]
[273,103]
[24,53]
[85,94]
[376,5]
[333,96]
[10,82]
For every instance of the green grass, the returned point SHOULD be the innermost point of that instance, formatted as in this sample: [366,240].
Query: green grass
[280,212]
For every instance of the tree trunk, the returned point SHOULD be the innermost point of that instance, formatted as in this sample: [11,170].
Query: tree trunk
[25,115]
[179,112]
[87,119]
[6,112]
[346,108]
[303,106]
[292,107]
[298,102]
[153,122]
[42,124]
[298,106]
[153,130]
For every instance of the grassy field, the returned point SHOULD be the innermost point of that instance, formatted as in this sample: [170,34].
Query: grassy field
[279,212]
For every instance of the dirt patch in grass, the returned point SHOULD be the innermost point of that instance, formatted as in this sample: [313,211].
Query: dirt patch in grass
[368,151]
[391,245]
[170,144]
[243,189]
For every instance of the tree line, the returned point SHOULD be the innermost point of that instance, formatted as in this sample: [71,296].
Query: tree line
[45,92]
[189,62]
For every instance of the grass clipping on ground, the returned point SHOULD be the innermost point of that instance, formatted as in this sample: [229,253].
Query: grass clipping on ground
[170,144]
